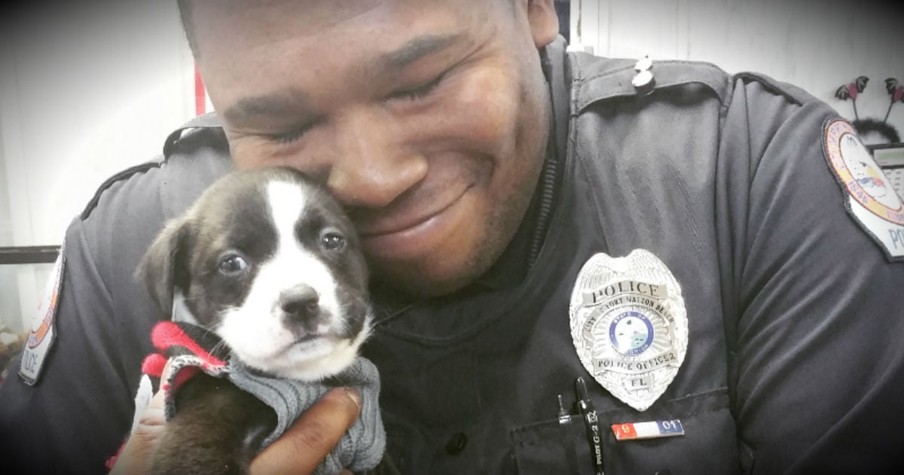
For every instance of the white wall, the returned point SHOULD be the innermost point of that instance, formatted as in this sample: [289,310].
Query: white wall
[815,44]
[87,88]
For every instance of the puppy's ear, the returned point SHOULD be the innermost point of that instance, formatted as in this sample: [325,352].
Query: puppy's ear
[165,265]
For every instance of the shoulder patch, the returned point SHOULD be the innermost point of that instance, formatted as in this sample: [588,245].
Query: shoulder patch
[43,334]
[870,197]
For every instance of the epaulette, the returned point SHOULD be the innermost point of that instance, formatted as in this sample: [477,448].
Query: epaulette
[792,93]
[206,121]
[172,143]
[595,80]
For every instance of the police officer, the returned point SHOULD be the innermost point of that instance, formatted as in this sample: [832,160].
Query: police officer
[580,264]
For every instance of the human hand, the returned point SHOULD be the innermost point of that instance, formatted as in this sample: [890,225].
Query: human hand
[311,438]
[299,450]
[134,456]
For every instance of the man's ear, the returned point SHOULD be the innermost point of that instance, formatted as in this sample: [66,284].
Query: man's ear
[165,265]
[544,22]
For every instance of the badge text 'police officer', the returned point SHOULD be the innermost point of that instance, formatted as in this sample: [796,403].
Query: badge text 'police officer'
[629,325]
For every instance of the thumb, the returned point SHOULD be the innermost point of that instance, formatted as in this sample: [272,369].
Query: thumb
[312,437]
[136,453]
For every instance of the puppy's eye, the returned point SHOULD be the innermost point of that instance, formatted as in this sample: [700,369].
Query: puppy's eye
[232,265]
[332,241]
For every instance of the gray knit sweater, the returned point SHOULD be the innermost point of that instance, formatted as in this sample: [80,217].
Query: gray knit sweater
[360,449]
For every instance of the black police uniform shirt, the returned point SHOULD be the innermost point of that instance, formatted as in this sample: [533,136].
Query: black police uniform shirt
[794,359]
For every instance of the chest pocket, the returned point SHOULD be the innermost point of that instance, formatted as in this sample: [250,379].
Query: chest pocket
[709,444]
[553,447]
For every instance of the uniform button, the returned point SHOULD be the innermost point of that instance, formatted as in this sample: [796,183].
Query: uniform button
[456,444]
[642,79]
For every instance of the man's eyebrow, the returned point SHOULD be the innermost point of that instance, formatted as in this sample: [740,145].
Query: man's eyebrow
[272,105]
[414,50]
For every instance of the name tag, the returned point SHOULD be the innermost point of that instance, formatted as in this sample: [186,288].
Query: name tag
[647,430]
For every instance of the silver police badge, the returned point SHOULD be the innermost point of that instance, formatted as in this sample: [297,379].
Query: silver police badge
[629,325]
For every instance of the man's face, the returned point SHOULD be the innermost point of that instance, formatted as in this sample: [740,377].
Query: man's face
[427,119]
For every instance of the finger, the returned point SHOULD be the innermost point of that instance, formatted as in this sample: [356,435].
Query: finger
[135,454]
[165,375]
[312,436]
[153,416]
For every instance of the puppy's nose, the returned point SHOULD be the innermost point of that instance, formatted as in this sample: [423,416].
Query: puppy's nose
[300,303]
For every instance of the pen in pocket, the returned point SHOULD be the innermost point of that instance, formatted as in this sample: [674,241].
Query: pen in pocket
[564,416]
[591,421]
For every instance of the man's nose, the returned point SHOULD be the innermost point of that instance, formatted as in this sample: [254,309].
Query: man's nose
[372,165]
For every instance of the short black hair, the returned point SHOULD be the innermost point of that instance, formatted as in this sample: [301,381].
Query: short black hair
[185,14]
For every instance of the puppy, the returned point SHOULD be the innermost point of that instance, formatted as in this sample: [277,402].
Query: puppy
[270,265]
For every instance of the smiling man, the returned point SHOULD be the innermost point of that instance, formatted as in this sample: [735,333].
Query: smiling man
[390,122]
[579,264]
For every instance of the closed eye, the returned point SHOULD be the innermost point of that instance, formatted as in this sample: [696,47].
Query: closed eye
[418,92]
[290,135]
[296,131]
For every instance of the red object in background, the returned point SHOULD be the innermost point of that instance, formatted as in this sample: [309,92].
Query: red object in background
[852,91]
[200,94]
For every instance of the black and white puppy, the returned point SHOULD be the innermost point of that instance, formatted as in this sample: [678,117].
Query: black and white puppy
[269,262]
